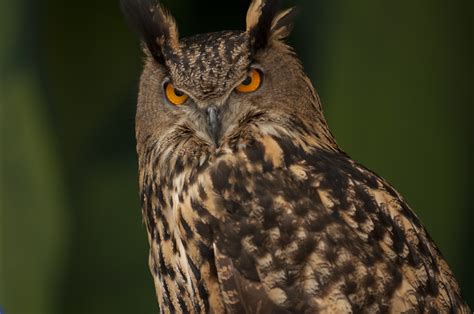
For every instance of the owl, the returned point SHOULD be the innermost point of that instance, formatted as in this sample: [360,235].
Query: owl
[250,205]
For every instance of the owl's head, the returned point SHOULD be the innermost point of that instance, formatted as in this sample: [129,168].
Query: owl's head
[203,91]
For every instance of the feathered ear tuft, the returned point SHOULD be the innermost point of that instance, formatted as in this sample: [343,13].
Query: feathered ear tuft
[265,23]
[282,24]
[156,27]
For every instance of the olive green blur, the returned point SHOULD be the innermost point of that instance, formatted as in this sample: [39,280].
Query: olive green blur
[395,79]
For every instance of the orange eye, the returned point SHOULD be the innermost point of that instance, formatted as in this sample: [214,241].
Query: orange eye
[251,83]
[175,96]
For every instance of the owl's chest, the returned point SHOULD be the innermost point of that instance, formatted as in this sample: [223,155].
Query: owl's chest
[190,205]
[179,220]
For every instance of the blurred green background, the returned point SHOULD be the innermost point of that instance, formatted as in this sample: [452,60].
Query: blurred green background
[395,78]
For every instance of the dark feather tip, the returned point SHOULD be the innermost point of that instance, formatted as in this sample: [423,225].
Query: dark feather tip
[262,31]
[142,15]
[265,22]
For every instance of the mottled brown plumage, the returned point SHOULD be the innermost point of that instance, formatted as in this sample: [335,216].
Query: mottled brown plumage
[249,203]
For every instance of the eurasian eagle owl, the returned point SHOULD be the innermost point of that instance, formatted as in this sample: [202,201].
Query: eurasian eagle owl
[249,203]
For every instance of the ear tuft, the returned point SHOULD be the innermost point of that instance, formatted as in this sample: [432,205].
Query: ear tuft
[265,24]
[156,27]
[282,24]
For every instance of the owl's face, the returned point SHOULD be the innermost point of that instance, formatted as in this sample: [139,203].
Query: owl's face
[201,92]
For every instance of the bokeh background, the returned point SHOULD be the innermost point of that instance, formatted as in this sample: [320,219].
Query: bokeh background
[395,78]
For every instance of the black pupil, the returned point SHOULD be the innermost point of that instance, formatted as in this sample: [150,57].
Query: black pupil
[178,92]
[247,81]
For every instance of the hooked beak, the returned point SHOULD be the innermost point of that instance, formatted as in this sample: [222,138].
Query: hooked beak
[213,123]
